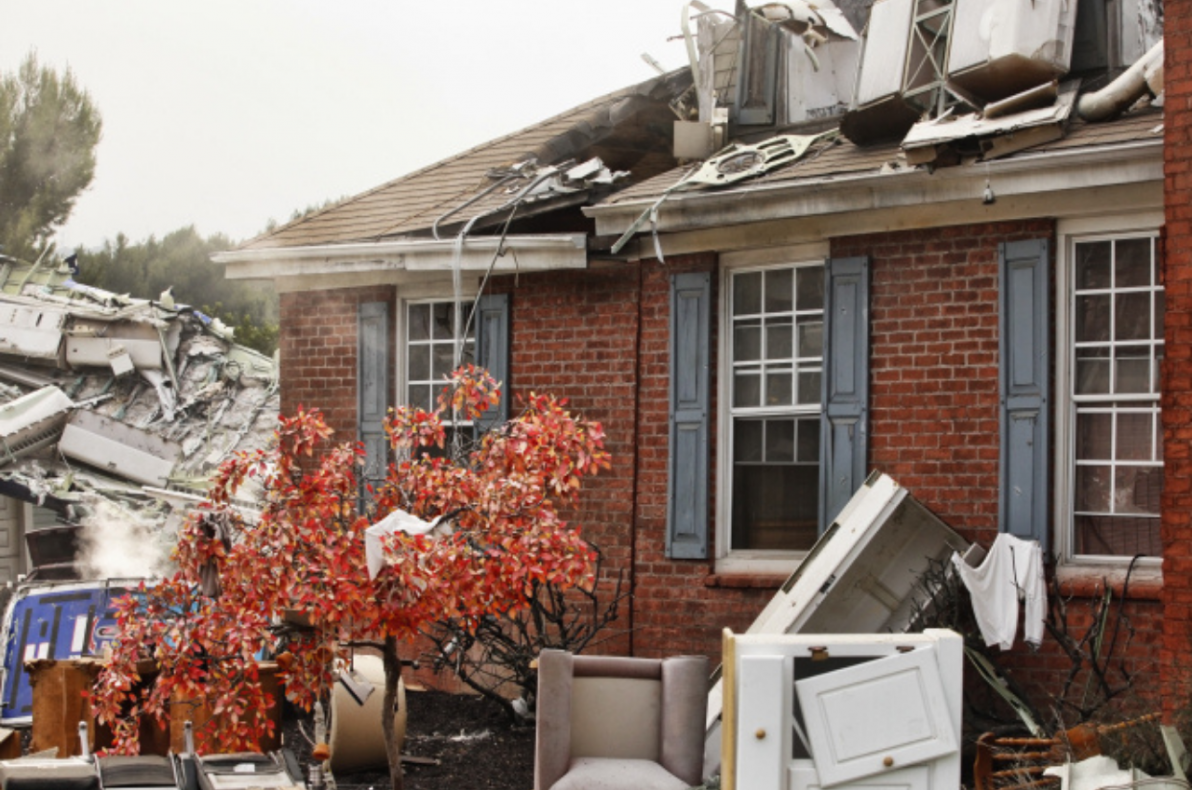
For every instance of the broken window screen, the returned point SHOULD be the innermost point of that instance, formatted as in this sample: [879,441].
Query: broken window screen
[1117,347]
[430,353]
[777,348]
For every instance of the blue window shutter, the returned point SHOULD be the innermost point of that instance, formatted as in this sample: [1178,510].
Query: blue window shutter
[690,397]
[844,427]
[1024,364]
[372,385]
[492,352]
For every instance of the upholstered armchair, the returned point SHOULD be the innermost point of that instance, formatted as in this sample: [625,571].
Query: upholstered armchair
[620,723]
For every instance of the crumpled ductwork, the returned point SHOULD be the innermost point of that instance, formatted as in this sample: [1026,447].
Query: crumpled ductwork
[1143,78]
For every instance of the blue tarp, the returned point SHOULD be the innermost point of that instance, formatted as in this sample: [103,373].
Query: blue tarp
[53,620]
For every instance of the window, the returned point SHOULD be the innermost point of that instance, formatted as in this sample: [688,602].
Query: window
[429,345]
[1114,344]
[775,342]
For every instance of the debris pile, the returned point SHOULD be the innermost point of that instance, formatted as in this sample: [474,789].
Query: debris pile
[114,413]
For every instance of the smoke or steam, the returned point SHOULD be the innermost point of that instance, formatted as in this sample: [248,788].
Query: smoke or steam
[115,544]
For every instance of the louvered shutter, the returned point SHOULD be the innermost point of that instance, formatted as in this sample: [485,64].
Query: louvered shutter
[844,429]
[1023,388]
[492,352]
[687,489]
[372,385]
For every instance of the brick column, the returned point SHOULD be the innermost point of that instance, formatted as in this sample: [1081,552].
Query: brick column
[1177,368]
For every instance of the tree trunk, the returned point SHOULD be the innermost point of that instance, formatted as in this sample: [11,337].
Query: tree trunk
[392,665]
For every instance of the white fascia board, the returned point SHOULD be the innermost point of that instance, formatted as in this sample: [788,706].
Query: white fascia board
[1026,173]
[521,253]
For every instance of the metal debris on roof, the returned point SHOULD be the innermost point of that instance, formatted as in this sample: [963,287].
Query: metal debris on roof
[950,139]
[735,163]
[115,412]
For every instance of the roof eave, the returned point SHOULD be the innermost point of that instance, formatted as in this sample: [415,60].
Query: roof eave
[1025,173]
[478,253]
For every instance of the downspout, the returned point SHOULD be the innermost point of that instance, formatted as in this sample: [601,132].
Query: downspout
[1146,75]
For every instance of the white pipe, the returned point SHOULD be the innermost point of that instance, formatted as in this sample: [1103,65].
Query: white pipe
[1145,75]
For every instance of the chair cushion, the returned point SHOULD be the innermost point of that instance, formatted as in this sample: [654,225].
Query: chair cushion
[603,773]
[616,717]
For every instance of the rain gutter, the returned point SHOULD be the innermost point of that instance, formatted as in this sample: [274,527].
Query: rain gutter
[1026,173]
[522,253]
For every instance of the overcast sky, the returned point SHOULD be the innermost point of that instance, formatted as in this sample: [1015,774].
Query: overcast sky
[227,113]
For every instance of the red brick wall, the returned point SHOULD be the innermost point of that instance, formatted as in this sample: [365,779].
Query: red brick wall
[682,606]
[1177,369]
[933,414]
[318,352]
[600,338]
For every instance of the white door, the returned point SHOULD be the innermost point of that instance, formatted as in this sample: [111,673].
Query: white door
[876,717]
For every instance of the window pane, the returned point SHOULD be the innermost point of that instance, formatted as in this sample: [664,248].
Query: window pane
[747,342]
[747,390]
[779,291]
[1132,316]
[1135,433]
[1092,488]
[1133,372]
[780,441]
[1092,318]
[775,507]
[777,347]
[419,325]
[1132,263]
[811,338]
[1117,536]
[747,440]
[810,382]
[1137,489]
[418,363]
[1092,265]
[443,357]
[1160,308]
[442,325]
[810,282]
[779,344]
[778,388]
[419,395]
[1094,435]
[1092,371]
[809,440]
[747,293]
[469,353]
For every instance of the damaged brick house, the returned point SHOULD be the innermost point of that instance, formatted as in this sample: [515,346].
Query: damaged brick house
[974,304]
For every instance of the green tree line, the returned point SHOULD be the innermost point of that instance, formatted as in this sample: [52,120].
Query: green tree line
[181,263]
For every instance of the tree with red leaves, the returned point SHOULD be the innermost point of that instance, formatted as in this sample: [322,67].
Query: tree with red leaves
[240,570]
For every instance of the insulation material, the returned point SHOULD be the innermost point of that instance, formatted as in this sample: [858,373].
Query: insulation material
[1003,47]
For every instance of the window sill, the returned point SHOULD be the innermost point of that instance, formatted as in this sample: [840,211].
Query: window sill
[754,570]
[1087,579]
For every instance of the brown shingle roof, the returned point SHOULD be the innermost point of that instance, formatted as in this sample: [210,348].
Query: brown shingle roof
[625,128]
[843,158]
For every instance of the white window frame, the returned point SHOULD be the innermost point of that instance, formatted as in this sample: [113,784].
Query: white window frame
[1068,233]
[729,560]
[419,294]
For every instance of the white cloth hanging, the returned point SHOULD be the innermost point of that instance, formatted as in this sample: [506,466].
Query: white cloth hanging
[1012,571]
